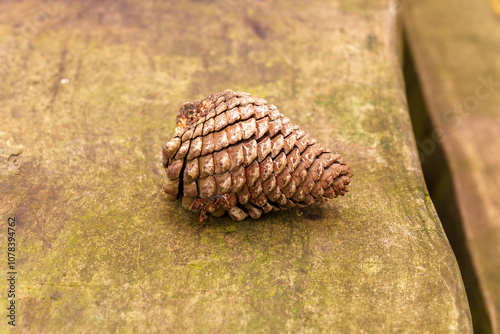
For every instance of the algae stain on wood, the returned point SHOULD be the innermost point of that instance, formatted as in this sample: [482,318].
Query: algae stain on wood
[107,253]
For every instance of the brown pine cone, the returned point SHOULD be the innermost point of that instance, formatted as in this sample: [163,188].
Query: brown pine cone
[235,152]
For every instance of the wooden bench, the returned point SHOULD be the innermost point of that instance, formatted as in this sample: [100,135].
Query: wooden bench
[459,70]
[90,93]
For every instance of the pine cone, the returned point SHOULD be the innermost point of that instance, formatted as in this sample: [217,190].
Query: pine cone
[235,152]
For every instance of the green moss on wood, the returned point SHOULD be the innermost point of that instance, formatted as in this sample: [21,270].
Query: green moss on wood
[101,250]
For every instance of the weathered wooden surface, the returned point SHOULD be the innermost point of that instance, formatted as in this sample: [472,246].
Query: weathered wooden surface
[459,69]
[495,4]
[90,94]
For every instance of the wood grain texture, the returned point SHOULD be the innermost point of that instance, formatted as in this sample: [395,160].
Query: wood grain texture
[90,92]
[460,73]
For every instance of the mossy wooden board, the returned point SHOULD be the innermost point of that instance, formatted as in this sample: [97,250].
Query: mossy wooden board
[460,73]
[90,95]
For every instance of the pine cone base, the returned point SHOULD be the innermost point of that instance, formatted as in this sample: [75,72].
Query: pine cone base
[235,153]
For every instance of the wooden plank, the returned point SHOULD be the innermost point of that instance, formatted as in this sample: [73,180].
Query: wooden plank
[90,92]
[460,73]
[495,4]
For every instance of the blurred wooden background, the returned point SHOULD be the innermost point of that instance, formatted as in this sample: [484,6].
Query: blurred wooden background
[456,48]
